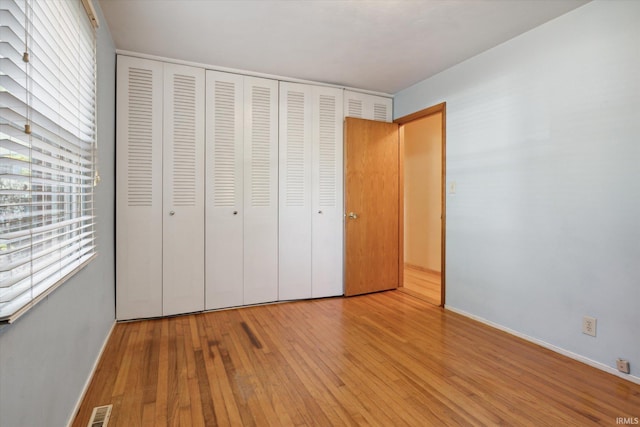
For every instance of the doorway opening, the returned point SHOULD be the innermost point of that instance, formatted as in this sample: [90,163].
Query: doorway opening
[422,204]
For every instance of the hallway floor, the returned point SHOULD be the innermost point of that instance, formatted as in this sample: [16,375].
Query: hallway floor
[422,284]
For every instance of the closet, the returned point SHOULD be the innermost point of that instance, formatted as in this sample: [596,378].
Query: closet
[242,190]
[160,189]
[311,195]
[229,188]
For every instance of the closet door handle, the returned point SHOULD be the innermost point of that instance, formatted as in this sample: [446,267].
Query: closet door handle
[235,212]
[172,213]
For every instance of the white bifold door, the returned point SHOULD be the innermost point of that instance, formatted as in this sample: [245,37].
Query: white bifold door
[183,190]
[242,190]
[311,192]
[159,189]
[366,106]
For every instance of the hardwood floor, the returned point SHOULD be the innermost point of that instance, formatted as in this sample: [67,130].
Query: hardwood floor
[422,284]
[385,359]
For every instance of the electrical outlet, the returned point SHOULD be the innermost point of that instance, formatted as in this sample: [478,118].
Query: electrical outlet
[452,187]
[623,366]
[589,325]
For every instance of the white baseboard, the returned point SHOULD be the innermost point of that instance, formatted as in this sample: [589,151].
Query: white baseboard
[90,377]
[546,345]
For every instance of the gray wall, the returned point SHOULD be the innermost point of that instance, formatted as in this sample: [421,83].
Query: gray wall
[543,143]
[47,355]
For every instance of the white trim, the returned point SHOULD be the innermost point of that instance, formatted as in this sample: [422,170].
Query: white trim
[546,345]
[28,306]
[245,72]
[90,377]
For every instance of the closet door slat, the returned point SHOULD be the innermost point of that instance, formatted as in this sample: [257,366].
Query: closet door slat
[139,188]
[183,190]
[295,191]
[260,190]
[224,190]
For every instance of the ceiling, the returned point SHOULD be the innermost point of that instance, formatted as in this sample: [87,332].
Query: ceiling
[378,45]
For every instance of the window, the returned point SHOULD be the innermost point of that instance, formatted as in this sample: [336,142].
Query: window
[47,148]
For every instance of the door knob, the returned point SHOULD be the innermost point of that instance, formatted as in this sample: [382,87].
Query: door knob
[235,212]
[172,213]
[353,215]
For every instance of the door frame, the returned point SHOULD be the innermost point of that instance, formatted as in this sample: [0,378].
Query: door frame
[435,109]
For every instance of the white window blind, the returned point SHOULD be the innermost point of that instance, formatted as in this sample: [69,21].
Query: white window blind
[47,148]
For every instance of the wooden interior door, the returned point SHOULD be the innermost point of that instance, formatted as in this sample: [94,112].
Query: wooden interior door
[371,206]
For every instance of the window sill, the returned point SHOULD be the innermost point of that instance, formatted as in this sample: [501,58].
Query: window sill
[13,317]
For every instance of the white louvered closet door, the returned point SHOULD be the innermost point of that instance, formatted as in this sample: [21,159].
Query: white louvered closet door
[260,190]
[224,189]
[295,191]
[139,188]
[365,106]
[183,195]
[327,193]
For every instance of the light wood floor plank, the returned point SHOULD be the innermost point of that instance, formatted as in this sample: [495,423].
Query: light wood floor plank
[381,359]
[422,284]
